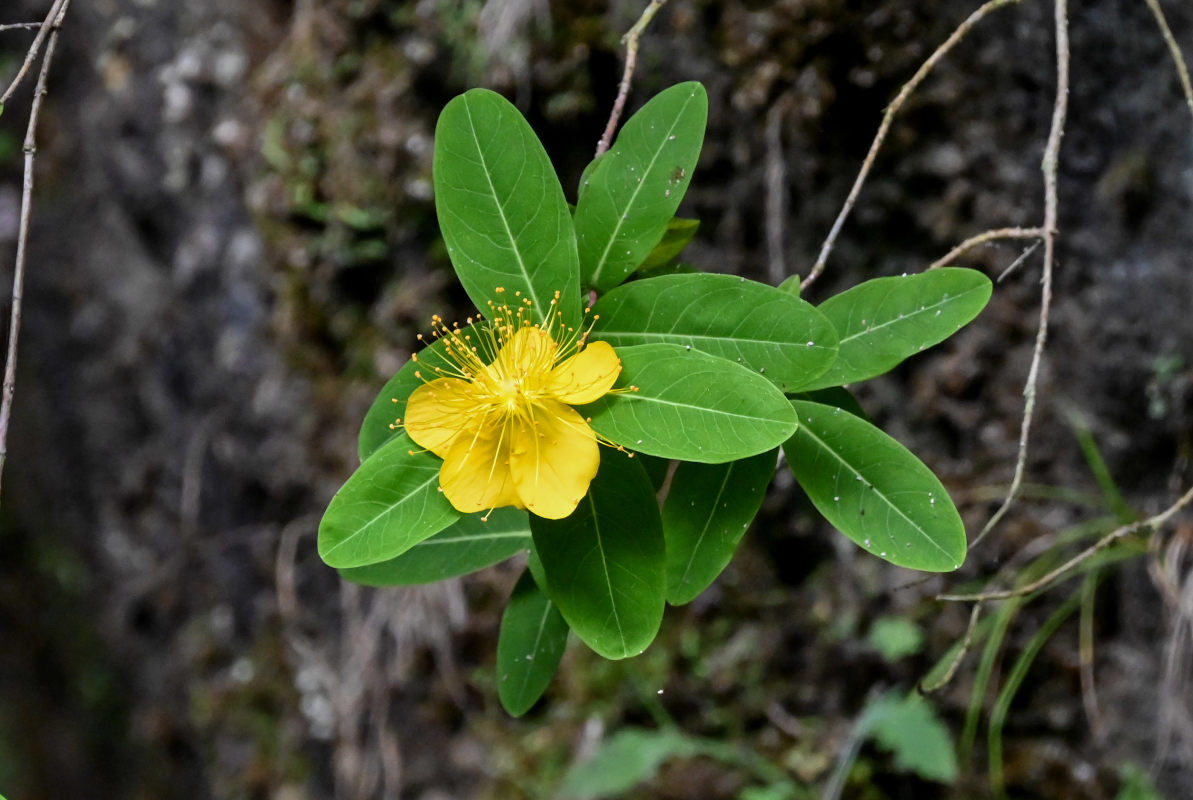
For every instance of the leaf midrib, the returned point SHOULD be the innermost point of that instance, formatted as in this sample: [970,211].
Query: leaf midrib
[596,275]
[596,527]
[806,428]
[897,319]
[703,409]
[543,313]
[708,522]
[388,510]
[605,333]
[538,638]
[480,537]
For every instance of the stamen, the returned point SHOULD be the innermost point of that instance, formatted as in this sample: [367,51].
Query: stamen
[503,359]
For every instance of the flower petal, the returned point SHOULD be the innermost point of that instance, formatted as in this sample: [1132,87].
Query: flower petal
[553,458]
[476,472]
[530,351]
[437,412]
[586,376]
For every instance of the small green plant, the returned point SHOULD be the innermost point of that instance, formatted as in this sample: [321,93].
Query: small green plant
[992,632]
[906,726]
[632,756]
[895,638]
[622,425]
[1136,784]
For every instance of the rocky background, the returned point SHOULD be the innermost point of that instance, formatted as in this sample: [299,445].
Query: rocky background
[234,245]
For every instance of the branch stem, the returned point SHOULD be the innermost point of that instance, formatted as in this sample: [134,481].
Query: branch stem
[884,127]
[1182,69]
[1149,524]
[630,40]
[1048,167]
[8,390]
[983,238]
[49,25]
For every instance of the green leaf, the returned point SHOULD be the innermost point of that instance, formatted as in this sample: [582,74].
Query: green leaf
[873,490]
[706,513]
[467,546]
[677,236]
[625,759]
[783,790]
[501,208]
[604,563]
[777,335]
[535,565]
[391,503]
[1010,687]
[631,193]
[883,321]
[791,285]
[676,267]
[390,403]
[691,406]
[837,397]
[895,638]
[656,469]
[1136,784]
[910,730]
[529,647]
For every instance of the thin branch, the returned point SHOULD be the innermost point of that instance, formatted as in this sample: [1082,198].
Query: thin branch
[966,643]
[1049,168]
[1018,262]
[1150,524]
[630,40]
[983,238]
[12,26]
[51,24]
[1182,70]
[18,273]
[885,126]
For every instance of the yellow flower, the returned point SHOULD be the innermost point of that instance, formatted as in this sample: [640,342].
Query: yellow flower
[502,420]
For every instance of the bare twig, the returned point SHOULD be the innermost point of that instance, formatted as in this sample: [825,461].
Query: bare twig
[12,26]
[54,22]
[49,27]
[983,238]
[1018,262]
[966,643]
[884,127]
[1150,524]
[1182,70]
[1049,167]
[630,40]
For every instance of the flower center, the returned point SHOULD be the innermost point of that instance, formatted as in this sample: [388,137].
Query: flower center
[510,393]
[507,358]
